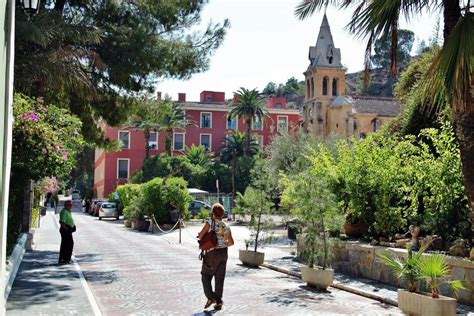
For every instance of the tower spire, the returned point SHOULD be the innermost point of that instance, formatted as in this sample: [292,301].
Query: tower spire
[324,54]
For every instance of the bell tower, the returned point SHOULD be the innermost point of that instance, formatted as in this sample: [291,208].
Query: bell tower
[325,79]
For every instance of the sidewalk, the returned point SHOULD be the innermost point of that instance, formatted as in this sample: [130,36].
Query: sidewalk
[282,261]
[42,287]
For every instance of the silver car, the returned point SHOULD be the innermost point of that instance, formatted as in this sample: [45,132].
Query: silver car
[108,209]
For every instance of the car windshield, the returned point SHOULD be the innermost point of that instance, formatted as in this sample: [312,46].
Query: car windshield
[108,205]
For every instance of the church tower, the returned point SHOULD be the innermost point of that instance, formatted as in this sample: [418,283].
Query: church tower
[324,81]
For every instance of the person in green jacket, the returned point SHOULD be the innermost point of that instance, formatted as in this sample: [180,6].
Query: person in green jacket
[66,230]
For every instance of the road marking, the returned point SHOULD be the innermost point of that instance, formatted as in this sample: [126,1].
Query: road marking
[90,296]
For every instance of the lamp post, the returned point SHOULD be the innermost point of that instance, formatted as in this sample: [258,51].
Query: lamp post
[31,7]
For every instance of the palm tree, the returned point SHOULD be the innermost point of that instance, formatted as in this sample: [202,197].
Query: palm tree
[171,117]
[234,147]
[146,118]
[199,156]
[250,105]
[451,81]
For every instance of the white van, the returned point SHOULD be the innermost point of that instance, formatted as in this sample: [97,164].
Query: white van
[76,194]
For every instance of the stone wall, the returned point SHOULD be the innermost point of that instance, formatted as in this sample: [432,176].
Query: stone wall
[361,260]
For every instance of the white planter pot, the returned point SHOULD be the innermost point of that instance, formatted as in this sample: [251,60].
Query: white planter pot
[251,258]
[317,277]
[423,304]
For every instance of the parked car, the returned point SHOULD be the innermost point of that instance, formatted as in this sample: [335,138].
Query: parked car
[195,207]
[108,209]
[94,210]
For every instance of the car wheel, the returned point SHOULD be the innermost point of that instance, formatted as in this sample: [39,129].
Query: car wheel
[100,218]
[117,218]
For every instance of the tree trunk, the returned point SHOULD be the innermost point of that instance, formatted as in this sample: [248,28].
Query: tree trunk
[147,143]
[465,135]
[234,163]
[168,140]
[248,123]
[451,15]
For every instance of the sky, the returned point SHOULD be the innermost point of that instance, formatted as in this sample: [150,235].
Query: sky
[266,42]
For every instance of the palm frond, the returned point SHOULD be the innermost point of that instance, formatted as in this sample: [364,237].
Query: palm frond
[457,285]
[451,72]
[433,267]
[306,8]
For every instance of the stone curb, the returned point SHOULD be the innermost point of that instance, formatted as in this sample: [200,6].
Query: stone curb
[337,285]
[13,264]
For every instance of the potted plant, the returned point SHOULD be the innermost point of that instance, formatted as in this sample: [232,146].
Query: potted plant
[310,201]
[254,203]
[434,270]
[355,226]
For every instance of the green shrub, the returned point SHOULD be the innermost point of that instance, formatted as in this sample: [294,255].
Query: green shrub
[203,214]
[156,198]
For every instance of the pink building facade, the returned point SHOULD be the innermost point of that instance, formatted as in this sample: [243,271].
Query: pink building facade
[212,124]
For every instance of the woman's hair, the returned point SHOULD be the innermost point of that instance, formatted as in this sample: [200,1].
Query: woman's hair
[218,210]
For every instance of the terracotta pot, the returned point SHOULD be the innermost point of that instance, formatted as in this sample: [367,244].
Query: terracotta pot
[143,225]
[423,304]
[127,223]
[251,258]
[356,230]
[317,277]
[133,224]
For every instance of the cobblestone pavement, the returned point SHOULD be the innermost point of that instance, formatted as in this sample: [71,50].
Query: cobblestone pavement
[131,272]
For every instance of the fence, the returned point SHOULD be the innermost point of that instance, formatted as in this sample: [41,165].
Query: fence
[225,200]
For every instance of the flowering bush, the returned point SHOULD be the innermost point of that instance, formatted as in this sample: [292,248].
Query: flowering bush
[49,184]
[45,139]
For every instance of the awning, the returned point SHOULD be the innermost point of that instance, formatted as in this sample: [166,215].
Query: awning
[197,191]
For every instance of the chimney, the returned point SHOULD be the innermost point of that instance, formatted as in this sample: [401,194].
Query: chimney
[181,97]
[158,95]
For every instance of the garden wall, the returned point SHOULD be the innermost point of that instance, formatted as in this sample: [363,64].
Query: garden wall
[361,260]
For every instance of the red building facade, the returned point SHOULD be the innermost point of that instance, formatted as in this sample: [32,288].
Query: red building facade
[212,125]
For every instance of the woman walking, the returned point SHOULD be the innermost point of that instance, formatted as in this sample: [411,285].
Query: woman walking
[215,260]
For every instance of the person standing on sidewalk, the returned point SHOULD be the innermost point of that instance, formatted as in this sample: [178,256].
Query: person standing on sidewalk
[215,260]
[66,230]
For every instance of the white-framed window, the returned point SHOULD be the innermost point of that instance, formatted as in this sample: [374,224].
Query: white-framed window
[282,125]
[259,139]
[257,124]
[205,140]
[124,138]
[206,120]
[123,168]
[178,141]
[153,141]
[232,123]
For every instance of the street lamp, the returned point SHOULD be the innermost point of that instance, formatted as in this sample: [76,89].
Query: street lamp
[31,7]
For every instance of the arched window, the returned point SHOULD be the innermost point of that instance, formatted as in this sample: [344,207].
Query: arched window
[376,123]
[308,89]
[335,82]
[325,85]
[312,87]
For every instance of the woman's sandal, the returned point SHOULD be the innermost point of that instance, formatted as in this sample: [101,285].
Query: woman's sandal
[209,303]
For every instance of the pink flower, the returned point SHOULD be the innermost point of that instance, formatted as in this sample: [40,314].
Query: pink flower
[45,151]
[65,154]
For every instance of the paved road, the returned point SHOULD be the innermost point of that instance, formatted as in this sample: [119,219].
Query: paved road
[130,272]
